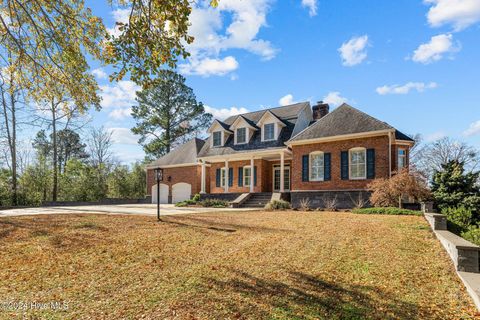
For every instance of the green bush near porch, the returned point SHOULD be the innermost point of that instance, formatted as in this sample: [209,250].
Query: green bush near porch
[387,210]
[277,205]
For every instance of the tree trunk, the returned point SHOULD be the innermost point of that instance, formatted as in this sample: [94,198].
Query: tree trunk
[55,155]
[14,153]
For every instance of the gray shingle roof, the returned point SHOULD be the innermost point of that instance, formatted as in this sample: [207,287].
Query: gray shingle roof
[287,114]
[402,136]
[343,120]
[183,154]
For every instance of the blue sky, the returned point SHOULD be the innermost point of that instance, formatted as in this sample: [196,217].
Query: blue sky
[412,63]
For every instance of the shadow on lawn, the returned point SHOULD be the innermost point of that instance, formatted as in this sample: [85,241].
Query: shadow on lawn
[306,296]
[210,224]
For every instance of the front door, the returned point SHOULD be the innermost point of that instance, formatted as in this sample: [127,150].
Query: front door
[276,178]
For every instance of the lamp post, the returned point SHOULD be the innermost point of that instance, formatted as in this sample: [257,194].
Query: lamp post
[158,178]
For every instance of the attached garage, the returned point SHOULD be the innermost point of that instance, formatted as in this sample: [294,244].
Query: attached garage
[163,193]
[181,191]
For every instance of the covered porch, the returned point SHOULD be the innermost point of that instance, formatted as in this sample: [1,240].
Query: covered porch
[255,172]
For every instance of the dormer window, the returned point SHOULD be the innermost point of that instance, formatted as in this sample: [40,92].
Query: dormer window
[269,131]
[241,135]
[217,138]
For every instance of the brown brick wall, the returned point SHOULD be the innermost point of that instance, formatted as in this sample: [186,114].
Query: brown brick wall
[380,144]
[191,175]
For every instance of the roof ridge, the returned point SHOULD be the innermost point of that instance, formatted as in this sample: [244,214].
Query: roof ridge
[268,109]
[358,110]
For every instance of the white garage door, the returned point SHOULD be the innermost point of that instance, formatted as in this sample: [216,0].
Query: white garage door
[181,191]
[163,193]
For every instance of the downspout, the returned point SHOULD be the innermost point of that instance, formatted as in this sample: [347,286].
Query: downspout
[389,154]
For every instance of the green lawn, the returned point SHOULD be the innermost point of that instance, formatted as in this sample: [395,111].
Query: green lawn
[249,265]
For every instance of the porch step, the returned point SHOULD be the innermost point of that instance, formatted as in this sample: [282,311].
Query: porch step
[258,200]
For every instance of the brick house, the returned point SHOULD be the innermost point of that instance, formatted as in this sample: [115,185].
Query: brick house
[295,152]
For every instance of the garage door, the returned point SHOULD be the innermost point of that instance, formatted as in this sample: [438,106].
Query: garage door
[163,193]
[181,191]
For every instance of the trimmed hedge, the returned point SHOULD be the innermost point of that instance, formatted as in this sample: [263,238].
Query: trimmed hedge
[387,210]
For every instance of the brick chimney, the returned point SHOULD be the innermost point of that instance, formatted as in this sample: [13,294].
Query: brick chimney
[320,110]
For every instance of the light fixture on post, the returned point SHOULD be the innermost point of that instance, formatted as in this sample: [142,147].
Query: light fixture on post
[158,178]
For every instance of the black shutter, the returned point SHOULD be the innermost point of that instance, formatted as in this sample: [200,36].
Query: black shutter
[240,176]
[344,165]
[327,167]
[230,177]
[370,163]
[255,175]
[305,168]
[217,178]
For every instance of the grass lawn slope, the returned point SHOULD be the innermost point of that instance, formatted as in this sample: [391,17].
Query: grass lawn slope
[249,265]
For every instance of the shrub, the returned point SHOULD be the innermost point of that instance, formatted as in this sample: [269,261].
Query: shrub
[305,204]
[472,234]
[196,198]
[389,192]
[387,210]
[330,203]
[358,202]
[277,205]
[215,203]
[458,218]
[181,204]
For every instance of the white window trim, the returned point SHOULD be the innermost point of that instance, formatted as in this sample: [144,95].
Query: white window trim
[314,153]
[274,132]
[245,184]
[350,163]
[246,135]
[404,156]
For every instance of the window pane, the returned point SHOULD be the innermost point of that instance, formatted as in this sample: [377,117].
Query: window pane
[246,176]
[268,131]
[217,138]
[316,166]
[357,164]
[241,135]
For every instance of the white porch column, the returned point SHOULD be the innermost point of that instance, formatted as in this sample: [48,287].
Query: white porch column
[282,172]
[252,166]
[202,188]
[226,176]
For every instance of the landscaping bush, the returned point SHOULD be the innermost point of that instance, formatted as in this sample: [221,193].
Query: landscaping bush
[181,204]
[389,192]
[196,198]
[458,219]
[387,210]
[214,203]
[472,234]
[277,205]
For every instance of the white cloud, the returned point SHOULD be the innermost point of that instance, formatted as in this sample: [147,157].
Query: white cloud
[120,114]
[354,51]
[286,100]
[435,136]
[208,66]
[224,113]
[435,49]
[334,99]
[119,95]
[119,15]
[99,73]
[212,37]
[474,129]
[123,136]
[406,88]
[458,13]
[311,5]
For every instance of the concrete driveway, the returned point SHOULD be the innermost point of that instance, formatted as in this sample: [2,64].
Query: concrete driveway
[135,209]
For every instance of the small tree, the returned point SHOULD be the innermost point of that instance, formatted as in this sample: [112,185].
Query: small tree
[390,192]
[452,187]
